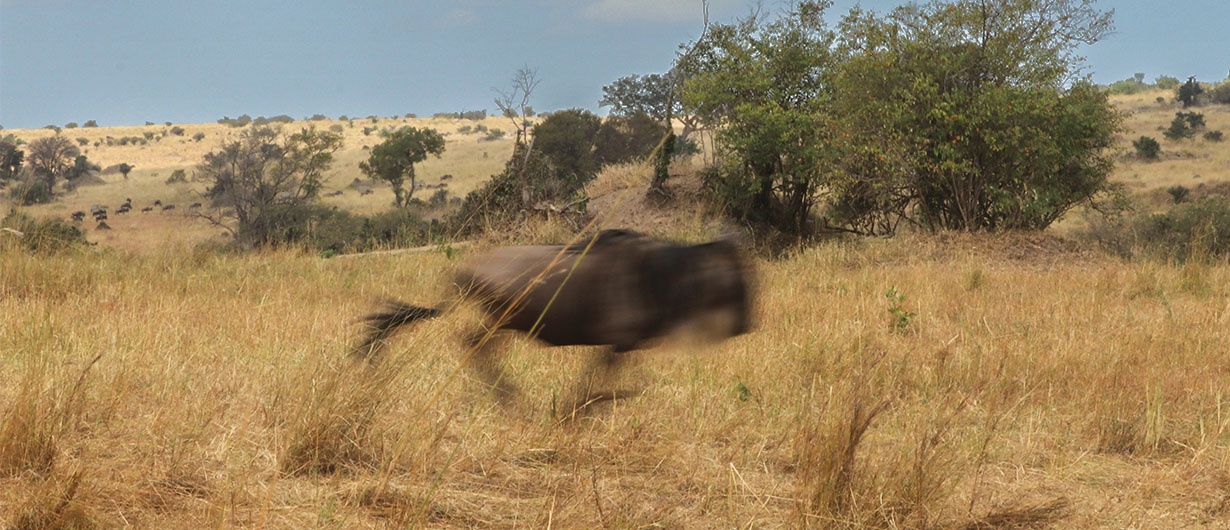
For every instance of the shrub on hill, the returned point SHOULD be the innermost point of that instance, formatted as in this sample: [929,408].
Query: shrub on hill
[29,191]
[1133,85]
[1147,148]
[241,121]
[510,195]
[1191,231]
[1188,92]
[1184,125]
[1220,93]
[1166,82]
[42,235]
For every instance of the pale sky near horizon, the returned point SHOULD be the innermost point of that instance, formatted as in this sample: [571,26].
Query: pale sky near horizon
[126,62]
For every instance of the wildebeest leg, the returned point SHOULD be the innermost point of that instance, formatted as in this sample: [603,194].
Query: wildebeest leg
[593,386]
[482,357]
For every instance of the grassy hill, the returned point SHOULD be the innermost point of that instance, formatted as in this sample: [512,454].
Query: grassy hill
[468,157]
[923,381]
[1197,164]
[1189,163]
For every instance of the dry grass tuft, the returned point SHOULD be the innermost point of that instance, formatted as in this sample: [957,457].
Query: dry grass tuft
[54,504]
[331,418]
[1044,515]
[38,416]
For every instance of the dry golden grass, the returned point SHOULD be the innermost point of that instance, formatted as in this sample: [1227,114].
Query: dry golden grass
[1011,381]
[1188,163]
[1035,384]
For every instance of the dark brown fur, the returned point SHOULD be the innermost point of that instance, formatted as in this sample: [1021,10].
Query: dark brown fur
[621,290]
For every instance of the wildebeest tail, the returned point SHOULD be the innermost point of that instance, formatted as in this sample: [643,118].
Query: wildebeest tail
[382,324]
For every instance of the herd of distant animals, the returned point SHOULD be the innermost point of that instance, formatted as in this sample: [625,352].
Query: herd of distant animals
[99,211]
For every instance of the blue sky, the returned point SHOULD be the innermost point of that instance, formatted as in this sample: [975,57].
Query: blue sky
[125,62]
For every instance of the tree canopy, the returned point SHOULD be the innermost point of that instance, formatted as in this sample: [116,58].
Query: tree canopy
[393,159]
[968,114]
[262,177]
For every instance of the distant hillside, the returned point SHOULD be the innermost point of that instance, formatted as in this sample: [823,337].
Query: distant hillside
[471,156]
[1199,164]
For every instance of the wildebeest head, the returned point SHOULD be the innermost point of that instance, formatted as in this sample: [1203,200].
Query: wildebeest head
[620,289]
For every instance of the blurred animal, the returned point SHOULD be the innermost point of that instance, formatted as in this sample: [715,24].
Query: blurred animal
[621,290]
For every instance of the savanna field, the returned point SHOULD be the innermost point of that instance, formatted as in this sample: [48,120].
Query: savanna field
[965,381]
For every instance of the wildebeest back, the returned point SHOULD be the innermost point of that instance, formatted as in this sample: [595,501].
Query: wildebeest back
[621,290]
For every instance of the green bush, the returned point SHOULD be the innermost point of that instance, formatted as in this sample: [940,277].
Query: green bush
[41,236]
[30,191]
[1147,148]
[1191,231]
[1213,136]
[1184,125]
[1178,193]
[1165,82]
[1188,93]
[1220,93]
[1127,87]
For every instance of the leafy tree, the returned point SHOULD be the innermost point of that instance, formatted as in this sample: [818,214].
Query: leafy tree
[50,158]
[651,95]
[969,116]
[393,159]
[11,159]
[656,95]
[629,138]
[566,139]
[1221,93]
[1133,85]
[764,85]
[1189,91]
[965,115]
[265,179]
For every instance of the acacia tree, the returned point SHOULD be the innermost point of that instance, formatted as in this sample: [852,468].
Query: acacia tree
[263,179]
[393,159]
[50,158]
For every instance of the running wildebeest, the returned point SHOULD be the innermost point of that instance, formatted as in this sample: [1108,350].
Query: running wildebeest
[621,290]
